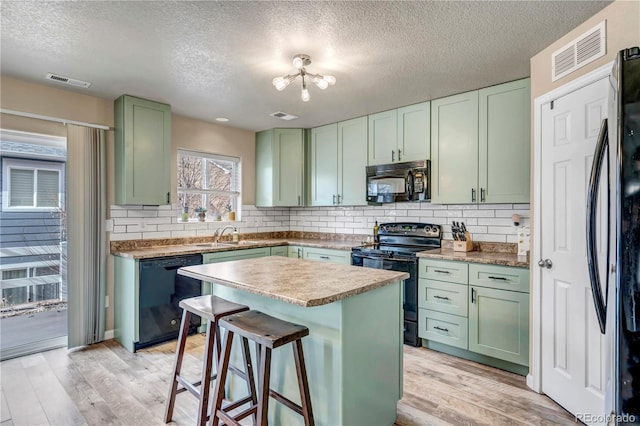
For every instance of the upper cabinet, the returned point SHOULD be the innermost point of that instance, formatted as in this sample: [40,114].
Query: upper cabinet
[400,135]
[338,158]
[279,167]
[142,151]
[504,142]
[480,143]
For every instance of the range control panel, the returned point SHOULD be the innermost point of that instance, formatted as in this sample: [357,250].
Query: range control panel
[411,229]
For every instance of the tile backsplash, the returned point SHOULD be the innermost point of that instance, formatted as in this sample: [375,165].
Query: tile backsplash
[485,222]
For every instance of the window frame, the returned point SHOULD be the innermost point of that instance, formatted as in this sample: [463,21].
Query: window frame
[235,196]
[9,163]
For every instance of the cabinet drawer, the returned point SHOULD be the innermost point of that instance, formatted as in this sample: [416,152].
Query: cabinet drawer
[443,270]
[501,277]
[444,328]
[443,297]
[225,256]
[327,255]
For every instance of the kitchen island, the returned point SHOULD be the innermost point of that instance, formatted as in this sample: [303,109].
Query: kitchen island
[354,348]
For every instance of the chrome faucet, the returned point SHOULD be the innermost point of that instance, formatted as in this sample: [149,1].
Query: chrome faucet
[218,232]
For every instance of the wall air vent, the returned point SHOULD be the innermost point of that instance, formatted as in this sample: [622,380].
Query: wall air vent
[68,80]
[283,115]
[581,51]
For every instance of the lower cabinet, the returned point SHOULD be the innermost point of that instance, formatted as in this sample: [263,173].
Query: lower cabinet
[280,251]
[321,254]
[482,309]
[499,324]
[225,256]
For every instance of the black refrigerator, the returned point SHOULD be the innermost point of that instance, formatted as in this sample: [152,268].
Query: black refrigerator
[617,289]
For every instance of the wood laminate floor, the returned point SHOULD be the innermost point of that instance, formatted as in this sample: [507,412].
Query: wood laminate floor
[107,385]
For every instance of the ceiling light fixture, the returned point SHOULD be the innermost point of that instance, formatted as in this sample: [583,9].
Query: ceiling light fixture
[300,61]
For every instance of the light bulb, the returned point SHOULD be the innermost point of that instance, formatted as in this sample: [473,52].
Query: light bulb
[329,79]
[281,83]
[321,83]
[297,62]
[305,95]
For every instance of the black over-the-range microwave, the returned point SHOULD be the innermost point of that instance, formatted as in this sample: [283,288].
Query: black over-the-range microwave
[388,183]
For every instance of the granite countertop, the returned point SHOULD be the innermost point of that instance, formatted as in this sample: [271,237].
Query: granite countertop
[208,247]
[486,257]
[297,281]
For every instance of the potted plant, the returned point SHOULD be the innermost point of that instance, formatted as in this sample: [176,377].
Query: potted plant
[231,215]
[201,213]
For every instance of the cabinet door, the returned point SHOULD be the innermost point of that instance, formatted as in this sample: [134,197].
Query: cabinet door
[264,169]
[327,255]
[324,165]
[504,143]
[352,162]
[142,151]
[383,137]
[295,251]
[288,167]
[414,132]
[443,297]
[499,324]
[280,251]
[454,149]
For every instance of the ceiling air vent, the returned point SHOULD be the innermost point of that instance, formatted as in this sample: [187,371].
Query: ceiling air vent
[283,115]
[68,80]
[576,54]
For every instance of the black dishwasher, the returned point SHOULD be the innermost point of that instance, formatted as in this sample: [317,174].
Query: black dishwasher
[161,289]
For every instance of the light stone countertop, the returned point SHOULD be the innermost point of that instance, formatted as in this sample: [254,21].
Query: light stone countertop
[489,258]
[195,248]
[297,281]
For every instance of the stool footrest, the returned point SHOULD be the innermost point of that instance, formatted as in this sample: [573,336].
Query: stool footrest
[188,386]
[285,401]
[236,404]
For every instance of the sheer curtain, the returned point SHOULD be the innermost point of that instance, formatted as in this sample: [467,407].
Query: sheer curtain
[86,235]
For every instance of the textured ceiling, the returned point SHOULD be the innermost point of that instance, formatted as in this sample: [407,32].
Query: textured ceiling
[213,59]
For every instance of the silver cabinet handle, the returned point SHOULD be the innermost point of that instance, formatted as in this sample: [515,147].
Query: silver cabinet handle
[473,295]
[497,278]
[482,195]
[324,257]
[393,155]
[168,197]
[399,159]
[299,253]
[446,330]
[339,201]
[334,199]
[441,271]
[298,200]
[440,297]
[545,263]
[473,195]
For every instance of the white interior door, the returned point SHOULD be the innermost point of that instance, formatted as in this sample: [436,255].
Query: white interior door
[574,352]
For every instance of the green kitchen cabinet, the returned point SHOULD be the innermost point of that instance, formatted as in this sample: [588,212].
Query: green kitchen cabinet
[383,134]
[324,165]
[499,324]
[338,161]
[400,135]
[414,132]
[280,251]
[295,252]
[280,168]
[225,256]
[480,145]
[454,149]
[504,142]
[142,151]
[327,255]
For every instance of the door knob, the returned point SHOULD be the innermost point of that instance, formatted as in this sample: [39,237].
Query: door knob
[545,263]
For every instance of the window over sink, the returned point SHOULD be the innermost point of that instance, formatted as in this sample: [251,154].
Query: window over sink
[209,182]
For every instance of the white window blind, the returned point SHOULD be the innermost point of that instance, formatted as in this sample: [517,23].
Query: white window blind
[32,185]
[22,187]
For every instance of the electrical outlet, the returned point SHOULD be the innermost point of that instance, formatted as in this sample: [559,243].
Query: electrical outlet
[108,225]
[106,301]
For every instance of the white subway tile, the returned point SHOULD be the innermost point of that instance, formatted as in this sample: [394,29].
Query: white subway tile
[126,236]
[126,221]
[522,206]
[119,229]
[328,230]
[118,213]
[495,221]
[490,238]
[344,231]
[462,207]
[501,230]
[429,206]
[495,206]
[182,234]
[142,213]
[509,213]
[447,213]
[172,227]
[152,235]
[479,213]
[158,220]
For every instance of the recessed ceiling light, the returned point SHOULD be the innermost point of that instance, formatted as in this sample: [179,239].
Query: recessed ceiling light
[222,119]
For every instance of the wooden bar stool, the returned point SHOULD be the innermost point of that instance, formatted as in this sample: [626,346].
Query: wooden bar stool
[268,333]
[211,308]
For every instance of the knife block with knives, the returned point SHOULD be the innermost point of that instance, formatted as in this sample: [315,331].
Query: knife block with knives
[461,237]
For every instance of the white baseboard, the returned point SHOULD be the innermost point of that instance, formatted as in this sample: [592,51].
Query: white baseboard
[531,384]
[108,335]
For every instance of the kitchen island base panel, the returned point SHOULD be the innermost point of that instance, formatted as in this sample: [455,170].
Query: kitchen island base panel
[353,356]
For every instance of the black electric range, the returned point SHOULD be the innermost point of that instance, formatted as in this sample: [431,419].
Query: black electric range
[396,250]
